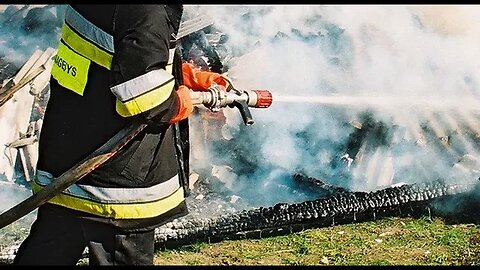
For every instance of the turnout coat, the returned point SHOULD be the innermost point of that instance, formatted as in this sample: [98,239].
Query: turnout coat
[116,64]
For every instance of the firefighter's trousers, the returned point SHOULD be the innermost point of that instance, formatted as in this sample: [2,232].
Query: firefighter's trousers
[57,239]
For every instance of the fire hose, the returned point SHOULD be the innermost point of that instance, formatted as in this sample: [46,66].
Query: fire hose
[214,99]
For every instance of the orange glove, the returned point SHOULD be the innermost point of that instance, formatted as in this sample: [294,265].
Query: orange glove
[198,80]
[185,105]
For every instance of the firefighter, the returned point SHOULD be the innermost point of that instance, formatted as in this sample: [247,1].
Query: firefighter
[114,64]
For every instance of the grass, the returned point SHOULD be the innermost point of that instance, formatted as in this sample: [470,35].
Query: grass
[17,231]
[389,241]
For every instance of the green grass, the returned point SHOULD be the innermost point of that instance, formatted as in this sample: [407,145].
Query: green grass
[389,241]
[17,231]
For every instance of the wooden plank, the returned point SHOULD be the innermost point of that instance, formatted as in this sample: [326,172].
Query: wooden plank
[41,81]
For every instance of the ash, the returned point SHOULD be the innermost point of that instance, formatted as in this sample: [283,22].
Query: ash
[205,201]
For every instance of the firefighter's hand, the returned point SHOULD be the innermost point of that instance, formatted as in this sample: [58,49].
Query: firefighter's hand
[185,104]
[199,80]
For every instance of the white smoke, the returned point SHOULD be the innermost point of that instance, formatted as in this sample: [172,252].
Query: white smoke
[26,28]
[422,54]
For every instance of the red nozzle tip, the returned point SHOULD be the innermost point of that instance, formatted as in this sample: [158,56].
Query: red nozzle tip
[264,98]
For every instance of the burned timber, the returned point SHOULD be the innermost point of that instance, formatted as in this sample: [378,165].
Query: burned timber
[341,207]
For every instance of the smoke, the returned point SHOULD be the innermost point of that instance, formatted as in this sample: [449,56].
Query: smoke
[26,28]
[417,53]
[23,29]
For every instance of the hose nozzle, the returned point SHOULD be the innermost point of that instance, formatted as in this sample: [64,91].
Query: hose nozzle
[216,98]
[259,98]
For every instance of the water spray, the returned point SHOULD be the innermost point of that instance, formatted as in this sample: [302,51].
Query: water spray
[464,103]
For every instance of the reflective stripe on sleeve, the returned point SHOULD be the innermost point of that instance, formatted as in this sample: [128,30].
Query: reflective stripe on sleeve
[143,93]
[141,84]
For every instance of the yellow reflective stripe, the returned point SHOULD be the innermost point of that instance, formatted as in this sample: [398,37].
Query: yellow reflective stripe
[119,211]
[70,69]
[141,84]
[86,48]
[111,194]
[88,30]
[146,101]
